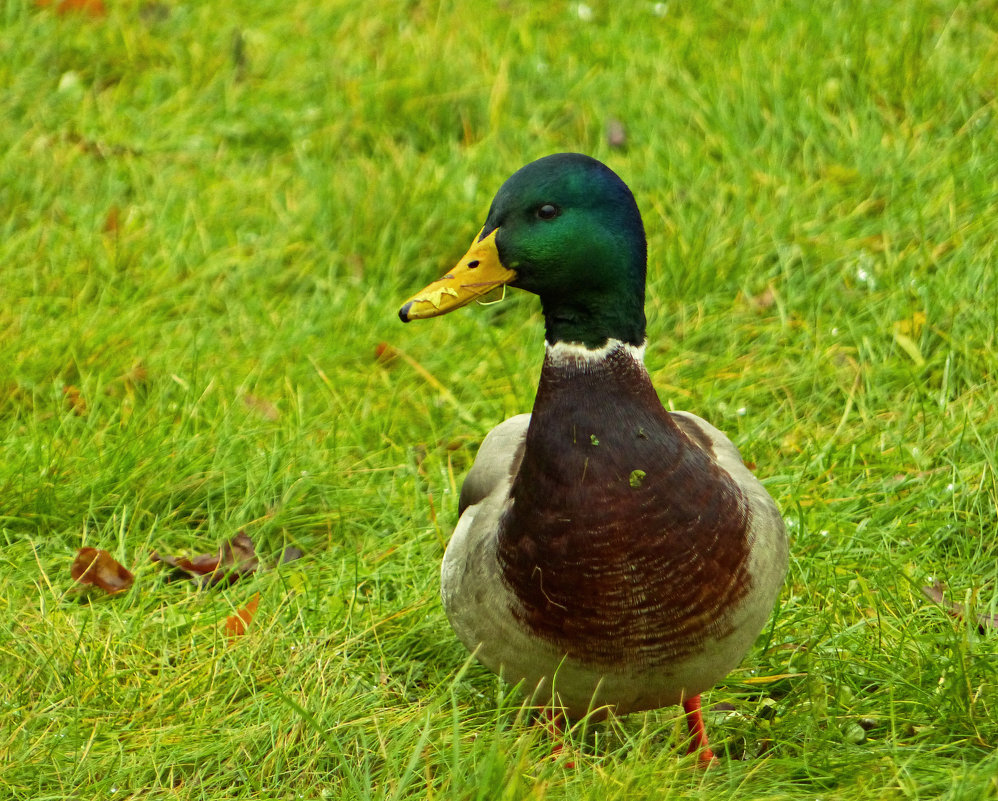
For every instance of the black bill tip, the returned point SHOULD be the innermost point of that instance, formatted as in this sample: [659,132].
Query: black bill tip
[404,312]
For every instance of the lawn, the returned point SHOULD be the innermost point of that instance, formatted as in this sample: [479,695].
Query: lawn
[211,213]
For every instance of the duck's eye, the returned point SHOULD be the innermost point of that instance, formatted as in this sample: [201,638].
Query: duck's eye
[548,211]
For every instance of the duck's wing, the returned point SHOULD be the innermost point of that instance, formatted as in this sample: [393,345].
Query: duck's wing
[723,451]
[497,462]
[712,440]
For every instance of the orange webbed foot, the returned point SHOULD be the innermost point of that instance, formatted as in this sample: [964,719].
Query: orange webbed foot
[554,722]
[698,733]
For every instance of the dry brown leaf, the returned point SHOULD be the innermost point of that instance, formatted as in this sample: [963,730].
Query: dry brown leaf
[236,625]
[262,406]
[92,8]
[96,566]
[290,554]
[385,353]
[937,592]
[236,558]
[200,565]
[112,221]
[75,400]
[153,12]
[134,375]
[616,135]
[764,300]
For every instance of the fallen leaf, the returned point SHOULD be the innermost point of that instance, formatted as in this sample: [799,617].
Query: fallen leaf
[199,565]
[96,566]
[112,221]
[236,558]
[262,406]
[764,300]
[912,326]
[290,554]
[136,374]
[616,135]
[93,8]
[936,593]
[853,733]
[236,625]
[130,380]
[75,400]
[154,12]
[385,353]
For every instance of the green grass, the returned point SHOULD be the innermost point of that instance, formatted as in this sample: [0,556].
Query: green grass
[211,214]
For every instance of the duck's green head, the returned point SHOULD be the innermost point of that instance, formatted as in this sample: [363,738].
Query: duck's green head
[566,228]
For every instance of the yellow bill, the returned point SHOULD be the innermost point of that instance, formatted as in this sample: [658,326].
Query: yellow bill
[477,273]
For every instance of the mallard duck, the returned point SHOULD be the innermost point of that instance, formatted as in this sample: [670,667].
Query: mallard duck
[609,554]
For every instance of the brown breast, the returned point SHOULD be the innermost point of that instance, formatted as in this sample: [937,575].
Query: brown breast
[624,543]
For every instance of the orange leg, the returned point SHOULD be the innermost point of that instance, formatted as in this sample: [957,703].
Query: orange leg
[698,734]
[554,722]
